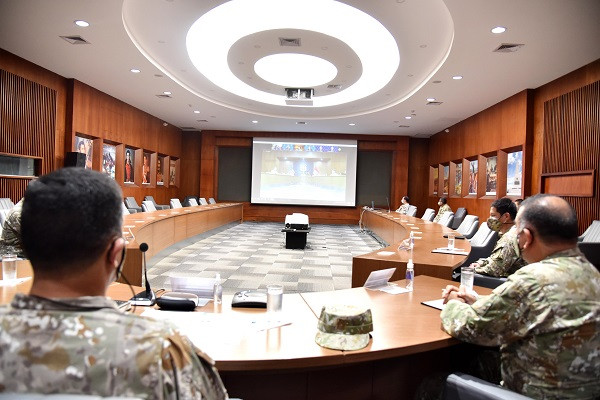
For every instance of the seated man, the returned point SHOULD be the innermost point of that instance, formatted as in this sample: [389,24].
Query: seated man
[546,316]
[11,231]
[443,208]
[505,258]
[66,336]
[403,209]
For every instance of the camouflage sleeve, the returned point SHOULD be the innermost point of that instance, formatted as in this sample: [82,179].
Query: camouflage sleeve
[188,373]
[499,318]
[502,260]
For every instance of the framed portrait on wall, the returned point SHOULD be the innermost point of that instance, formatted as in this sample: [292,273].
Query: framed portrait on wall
[446,178]
[458,180]
[85,146]
[129,165]
[159,170]
[473,166]
[490,176]
[109,155]
[436,180]
[172,172]
[146,168]
[514,173]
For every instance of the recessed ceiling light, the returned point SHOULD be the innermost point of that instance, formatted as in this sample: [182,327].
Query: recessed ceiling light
[457,77]
[431,99]
[352,124]
[167,92]
[408,117]
[499,29]
[295,70]
[255,122]
[196,112]
[135,70]
[82,23]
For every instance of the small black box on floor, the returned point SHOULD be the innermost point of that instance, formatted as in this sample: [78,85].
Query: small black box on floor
[296,229]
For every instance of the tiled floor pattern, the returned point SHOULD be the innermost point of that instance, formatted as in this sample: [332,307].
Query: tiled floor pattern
[252,255]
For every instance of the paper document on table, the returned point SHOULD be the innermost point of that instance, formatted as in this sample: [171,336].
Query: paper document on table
[230,328]
[439,304]
[445,250]
[394,289]
[379,279]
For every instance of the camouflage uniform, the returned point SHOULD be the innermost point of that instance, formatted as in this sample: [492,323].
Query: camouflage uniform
[505,258]
[11,231]
[86,345]
[403,209]
[443,208]
[546,319]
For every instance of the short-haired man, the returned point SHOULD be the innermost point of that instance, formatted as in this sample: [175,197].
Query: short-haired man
[444,208]
[505,258]
[546,316]
[65,336]
[404,207]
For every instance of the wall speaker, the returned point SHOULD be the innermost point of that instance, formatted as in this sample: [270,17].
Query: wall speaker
[75,159]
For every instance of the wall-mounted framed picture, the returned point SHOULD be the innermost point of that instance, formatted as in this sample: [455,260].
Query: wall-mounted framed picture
[172,172]
[446,179]
[146,168]
[129,165]
[160,162]
[458,179]
[436,179]
[491,176]
[109,156]
[85,146]
[514,173]
[473,171]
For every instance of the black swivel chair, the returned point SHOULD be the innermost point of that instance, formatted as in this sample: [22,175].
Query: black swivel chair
[589,243]
[190,201]
[131,204]
[459,215]
[467,387]
[157,206]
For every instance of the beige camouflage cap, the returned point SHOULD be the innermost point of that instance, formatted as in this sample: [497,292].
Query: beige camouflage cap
[344,327]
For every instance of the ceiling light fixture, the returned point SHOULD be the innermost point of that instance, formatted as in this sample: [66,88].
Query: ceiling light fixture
[82,23]
[352,124]
[457,77]
[255,122]
[135,70]
[499,29]
[301,71]
[229,22]
[196,112]
[408,117]
[431,99]
[167,93]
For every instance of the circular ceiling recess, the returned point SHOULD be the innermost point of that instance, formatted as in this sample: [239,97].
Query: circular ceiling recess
[241,54]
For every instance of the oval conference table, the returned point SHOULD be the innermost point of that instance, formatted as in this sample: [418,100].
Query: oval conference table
[262,355]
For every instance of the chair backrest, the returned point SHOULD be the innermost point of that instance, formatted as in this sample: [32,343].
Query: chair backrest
[459,215]
[131,203]
[203,201]
[192,202]
[150,199]
[482,234]
[412,211]
[6,203]
[592,233]
[175,203]
[148,206]
[428,215]
[467,387]
[446,219]
[469,226]
[211,201]
[125,209]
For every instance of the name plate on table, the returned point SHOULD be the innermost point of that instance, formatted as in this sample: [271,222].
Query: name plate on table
[445,250]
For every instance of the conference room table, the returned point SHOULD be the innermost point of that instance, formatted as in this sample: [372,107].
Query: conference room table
[394,228]
[264,355]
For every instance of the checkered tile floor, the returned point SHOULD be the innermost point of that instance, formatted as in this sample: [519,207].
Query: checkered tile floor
[252,255]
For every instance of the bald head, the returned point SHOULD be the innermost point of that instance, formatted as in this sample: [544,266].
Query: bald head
[552,219]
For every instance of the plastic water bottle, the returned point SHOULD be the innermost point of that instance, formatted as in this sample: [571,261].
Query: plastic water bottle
[411,241]
[410,275]
[218,290]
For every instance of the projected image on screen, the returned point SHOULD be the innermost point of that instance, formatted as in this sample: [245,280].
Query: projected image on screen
[307,172]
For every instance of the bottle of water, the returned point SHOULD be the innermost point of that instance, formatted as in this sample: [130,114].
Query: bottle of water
[410,274]
[218,290]
[411,240]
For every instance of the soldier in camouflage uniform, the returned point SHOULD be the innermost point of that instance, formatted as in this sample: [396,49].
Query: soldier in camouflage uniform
[11,236]
[546,317]
[65,336]
[403,209]
[444,207]
[505,258]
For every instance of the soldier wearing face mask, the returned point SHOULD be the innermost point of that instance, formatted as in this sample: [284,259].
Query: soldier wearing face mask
[403,209]
[444,207]
[506,257]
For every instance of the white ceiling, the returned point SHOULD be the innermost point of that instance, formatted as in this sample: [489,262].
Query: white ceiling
[559,36]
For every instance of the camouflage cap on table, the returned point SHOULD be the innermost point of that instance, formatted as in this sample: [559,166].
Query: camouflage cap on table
[344,327]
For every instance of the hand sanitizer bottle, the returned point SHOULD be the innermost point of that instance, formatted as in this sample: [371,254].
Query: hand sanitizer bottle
[410,275]
[218,290]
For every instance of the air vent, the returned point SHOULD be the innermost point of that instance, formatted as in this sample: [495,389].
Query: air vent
[335,87]
[434,103]
[403,126]
[201,120]
[187,128]
[301,123]
[289,42]
[508,48]
[75,39]
[163,96]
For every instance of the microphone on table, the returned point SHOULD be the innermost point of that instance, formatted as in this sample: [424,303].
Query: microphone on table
[147,297]
[388,203]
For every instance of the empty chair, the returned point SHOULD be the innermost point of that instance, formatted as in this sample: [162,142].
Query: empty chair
[148,206]
[211,201]
[190,201]
[459,215]
[590,243]
[203,201]
[428,215]
[6,203]
[156,206]
[482,244]
[467,387]
[469,226]
[175,203]
[447,219]
[130,203]
[126,210]
[412,211]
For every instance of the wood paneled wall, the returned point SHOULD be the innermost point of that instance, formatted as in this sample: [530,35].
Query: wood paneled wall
[572,121]
[211,140]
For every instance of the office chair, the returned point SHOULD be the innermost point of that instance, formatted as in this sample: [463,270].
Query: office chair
[175,203]
[590,243]
[203,201]
[466,387]
[446,219]
[156,206]
[412,211]
[6,203]
[469,226]
[130,203]
[482,244]
[211,201]
[190,201]
[428,215]
[148,206]
[59,396]
[459,215]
